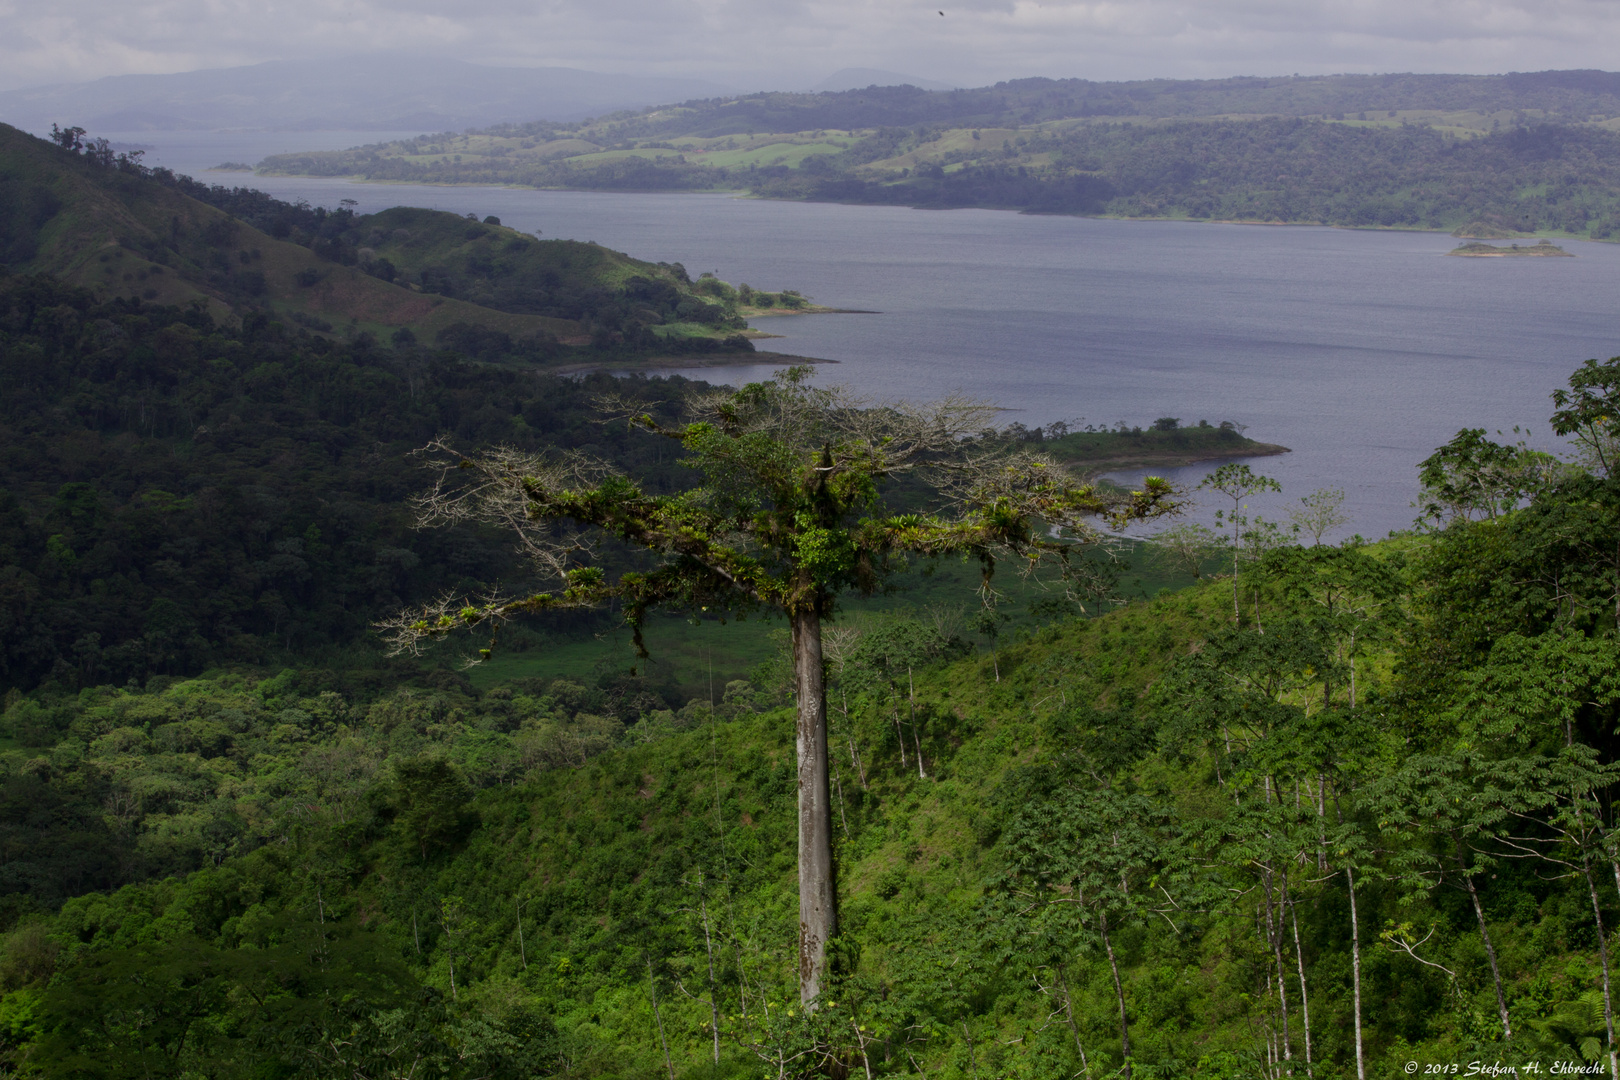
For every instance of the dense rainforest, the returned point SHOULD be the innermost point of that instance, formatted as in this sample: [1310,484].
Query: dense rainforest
[179,493]
[1330,811]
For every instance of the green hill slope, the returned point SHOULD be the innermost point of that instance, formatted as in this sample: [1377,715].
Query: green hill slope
[108,224]
[524,882]
[1365,822]
[120,233]
[1524,153]
[172,485]
[652,305]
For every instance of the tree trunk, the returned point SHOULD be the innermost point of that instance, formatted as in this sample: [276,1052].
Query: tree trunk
[1490,950]
[899,735]
[1603,959]
[818,915]
[1274,913]
[714,987]
[911,687]
[652,988]
[1237,556]
[849,728]
[1119,992]
[1355,969]
[1273,933]
[842,817]
[1304,996]
[1068,1014]
[860,1040]
[523,953]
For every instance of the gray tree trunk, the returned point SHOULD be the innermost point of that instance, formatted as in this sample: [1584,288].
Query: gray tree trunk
[1490,950]
[1119,992]
[1355,970]
[818,913]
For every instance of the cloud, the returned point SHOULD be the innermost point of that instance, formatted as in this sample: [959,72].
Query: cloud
[754,43]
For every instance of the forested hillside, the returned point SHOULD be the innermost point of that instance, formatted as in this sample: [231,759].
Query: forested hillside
[179,493]
[1347,808]
[1518,153]
[106,222]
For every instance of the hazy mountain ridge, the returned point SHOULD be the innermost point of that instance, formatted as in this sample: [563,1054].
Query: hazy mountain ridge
[362,93]
[1567,96]
[856,78]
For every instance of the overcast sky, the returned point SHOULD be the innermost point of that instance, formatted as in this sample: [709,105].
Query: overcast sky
[753,44]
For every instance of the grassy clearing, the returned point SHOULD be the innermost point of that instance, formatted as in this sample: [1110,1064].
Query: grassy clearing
[685,651]
[777,153]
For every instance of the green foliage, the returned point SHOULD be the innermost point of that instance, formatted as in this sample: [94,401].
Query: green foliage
[242,500]
[428,805]
[788,514]
[1238,482]
[123,230]
[1471,475]
[1588,411]
[1137,845]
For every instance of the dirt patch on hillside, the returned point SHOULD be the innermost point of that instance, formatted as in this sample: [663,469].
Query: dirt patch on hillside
[360,297]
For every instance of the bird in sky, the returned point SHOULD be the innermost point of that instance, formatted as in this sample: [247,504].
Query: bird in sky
[942,14]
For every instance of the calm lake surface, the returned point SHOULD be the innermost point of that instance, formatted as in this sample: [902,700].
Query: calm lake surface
[1362,351]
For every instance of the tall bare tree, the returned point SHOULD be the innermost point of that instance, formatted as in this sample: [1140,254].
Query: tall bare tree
[788,515]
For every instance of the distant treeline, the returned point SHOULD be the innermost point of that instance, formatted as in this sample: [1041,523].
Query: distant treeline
[1548,177]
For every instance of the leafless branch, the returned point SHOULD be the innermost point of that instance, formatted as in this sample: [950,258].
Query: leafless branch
[1396,940]
[491,488]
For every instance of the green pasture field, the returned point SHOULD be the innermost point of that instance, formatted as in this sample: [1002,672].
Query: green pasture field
[735,648]
[790,154]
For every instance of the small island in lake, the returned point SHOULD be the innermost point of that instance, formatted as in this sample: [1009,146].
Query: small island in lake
[1166,443]
[1491,251]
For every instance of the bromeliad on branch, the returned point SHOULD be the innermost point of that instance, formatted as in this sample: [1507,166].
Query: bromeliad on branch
[789,514]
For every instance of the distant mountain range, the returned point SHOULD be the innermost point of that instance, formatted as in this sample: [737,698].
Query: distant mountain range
[369,93]
[361,93]
[861,78]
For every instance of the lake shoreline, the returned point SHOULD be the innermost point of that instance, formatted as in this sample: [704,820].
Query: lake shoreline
[654,364]
[1161,459]
[736,193]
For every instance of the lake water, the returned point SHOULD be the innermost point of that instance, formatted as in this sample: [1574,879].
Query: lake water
[1360,350]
